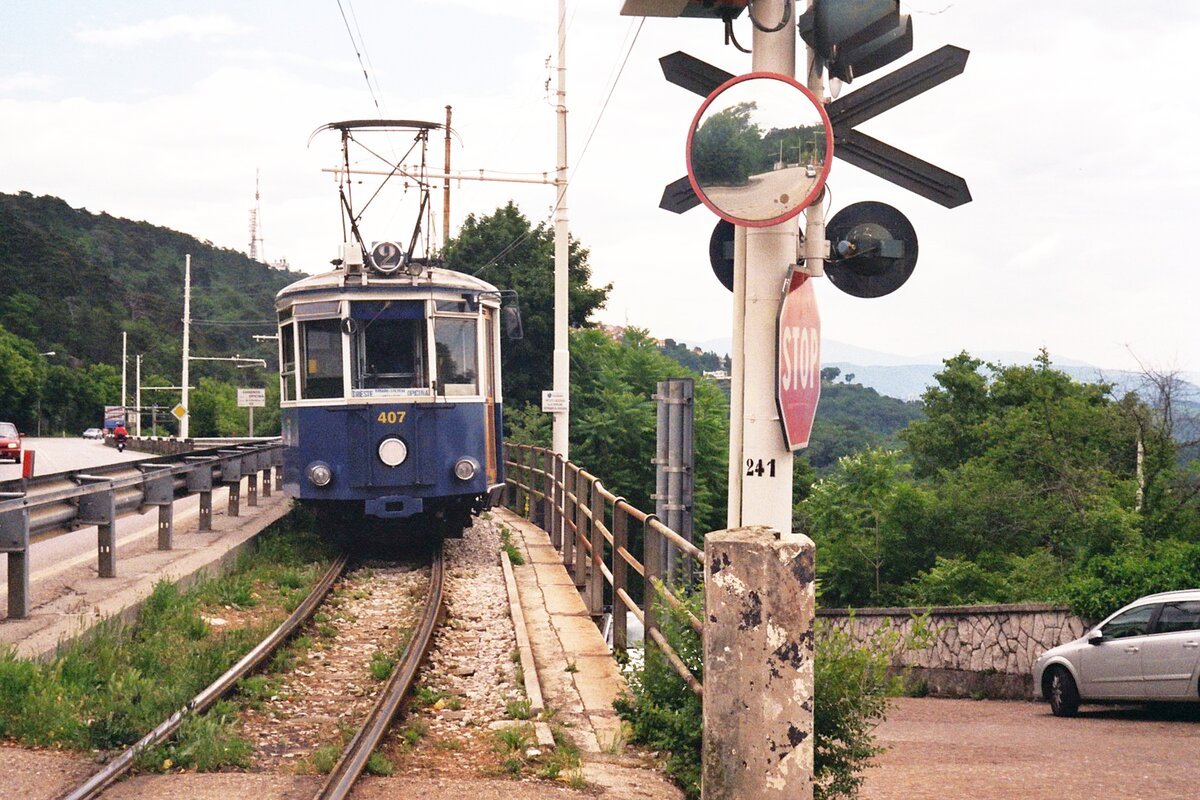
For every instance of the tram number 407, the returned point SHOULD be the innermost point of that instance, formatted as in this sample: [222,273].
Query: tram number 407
[391,417]
[758,468]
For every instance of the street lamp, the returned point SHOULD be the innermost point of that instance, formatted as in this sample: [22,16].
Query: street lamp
[47,354]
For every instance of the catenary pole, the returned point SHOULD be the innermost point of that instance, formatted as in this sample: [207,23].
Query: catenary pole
[562,378]
[137,396]
[124,367]
[187,327]
[760,268]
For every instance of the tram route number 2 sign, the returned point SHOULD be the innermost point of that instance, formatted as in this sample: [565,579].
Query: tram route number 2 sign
[798,360]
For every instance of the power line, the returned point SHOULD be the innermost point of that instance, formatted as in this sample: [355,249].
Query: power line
[595,126]
[355,45]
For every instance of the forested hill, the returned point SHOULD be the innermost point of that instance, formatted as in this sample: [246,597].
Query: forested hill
[71,281]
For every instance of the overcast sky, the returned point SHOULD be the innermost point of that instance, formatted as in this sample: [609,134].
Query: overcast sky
[1073,125]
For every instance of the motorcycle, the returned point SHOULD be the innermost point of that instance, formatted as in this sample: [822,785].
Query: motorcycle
[121,444]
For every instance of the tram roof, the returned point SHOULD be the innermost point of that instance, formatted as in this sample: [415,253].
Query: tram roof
[434,278]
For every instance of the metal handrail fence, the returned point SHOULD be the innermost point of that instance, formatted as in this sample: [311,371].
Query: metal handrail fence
[41,508]
[589,525]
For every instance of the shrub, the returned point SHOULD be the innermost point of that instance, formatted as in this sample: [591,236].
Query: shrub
[1106,583]
[853,687]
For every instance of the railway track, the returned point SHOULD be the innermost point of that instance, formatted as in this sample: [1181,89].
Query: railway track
[354,757]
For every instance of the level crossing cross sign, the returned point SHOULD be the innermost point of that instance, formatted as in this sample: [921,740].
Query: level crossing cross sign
[798,360]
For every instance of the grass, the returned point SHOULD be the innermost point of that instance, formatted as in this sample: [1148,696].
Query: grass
[382,665]
[108,692]
[519,757]
[325,758]
[519,709]
[506,544]
[379,764]
[412,732]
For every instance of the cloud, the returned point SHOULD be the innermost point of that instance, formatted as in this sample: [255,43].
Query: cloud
[24,82]
[196,28]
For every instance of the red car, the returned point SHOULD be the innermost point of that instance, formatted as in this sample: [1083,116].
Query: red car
[10,442]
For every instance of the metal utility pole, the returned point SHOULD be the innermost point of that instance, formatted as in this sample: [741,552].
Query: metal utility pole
[446,186]
[187,328]
[675,467]
[562,362]
[124,362]
[761,260]
[137,397]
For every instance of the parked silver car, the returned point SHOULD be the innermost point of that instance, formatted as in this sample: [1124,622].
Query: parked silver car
[1147,651]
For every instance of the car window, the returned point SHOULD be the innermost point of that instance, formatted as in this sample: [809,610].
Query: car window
[1181,615]
[1134,622]
[8,430]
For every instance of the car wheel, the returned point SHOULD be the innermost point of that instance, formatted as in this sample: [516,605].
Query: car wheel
[1062,693]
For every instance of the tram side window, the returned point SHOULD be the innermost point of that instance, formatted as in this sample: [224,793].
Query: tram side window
[287,361]
[390,354]
[322,359]
[457,355]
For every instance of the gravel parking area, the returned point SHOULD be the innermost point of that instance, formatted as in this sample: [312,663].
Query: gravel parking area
[996,750]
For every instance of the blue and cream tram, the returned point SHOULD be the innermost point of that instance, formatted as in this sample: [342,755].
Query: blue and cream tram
[390,390]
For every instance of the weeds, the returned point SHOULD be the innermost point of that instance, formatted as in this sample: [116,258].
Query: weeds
[381,665]
[506,544]
[106,693]
[379,764]
[325,758]
[519,709]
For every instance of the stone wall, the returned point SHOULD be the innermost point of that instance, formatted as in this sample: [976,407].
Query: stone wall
[977,650]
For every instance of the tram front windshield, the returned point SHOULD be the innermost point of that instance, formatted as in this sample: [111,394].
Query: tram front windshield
[388,344]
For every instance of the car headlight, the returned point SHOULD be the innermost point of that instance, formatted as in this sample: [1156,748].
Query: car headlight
[466,468]
[392,451]
[319,473]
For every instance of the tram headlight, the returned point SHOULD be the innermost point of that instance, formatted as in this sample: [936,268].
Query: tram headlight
[466,468]
[319,473]
[392,451]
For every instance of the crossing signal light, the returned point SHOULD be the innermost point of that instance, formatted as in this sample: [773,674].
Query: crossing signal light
[854,37]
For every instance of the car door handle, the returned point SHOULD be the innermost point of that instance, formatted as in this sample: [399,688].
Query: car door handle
[1132,649]
[1191,645]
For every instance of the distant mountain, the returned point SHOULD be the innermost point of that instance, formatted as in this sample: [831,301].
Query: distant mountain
[907,377]
[71,281]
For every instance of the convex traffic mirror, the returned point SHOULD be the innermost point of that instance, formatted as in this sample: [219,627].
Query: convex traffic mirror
[759,149]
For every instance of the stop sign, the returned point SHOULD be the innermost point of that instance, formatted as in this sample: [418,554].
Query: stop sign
[798,360]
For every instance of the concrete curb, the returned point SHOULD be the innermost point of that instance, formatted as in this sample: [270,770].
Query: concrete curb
[533,687]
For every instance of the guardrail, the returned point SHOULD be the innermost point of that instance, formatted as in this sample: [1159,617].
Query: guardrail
[590,526]
[41,508]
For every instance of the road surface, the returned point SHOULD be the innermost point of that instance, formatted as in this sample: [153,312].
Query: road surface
[1005,750]
[56,557]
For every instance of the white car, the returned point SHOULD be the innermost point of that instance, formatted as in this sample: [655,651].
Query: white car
[93,433]
[1147,651]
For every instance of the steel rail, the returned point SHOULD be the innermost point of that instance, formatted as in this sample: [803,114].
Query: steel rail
[354,758]
[96,784]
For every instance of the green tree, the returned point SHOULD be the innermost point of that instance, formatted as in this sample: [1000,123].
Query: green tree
[866,519]
[728,148]
[506,250]
[613,420]
[22,373]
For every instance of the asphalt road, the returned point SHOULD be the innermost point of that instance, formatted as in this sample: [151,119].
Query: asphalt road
[60,455]
[54,556]
[998,750]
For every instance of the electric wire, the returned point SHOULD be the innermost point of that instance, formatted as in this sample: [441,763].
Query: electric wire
[355,45]
[582,153]
[363,41]
[787,17]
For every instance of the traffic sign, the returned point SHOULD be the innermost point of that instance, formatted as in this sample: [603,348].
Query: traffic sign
[798,360]
[179,412]
[252,398]
[880,158]
[554,402]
